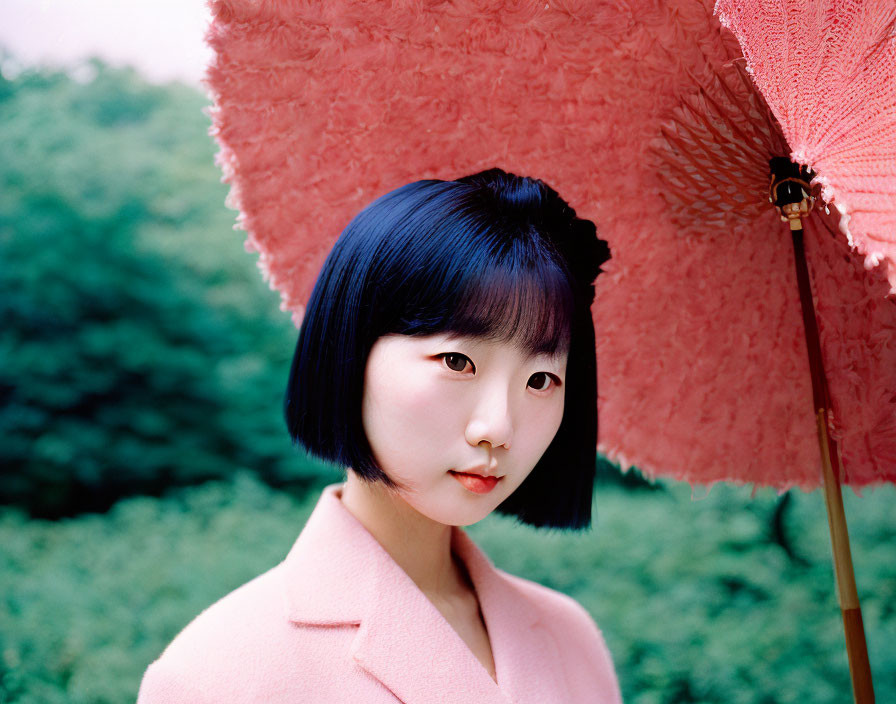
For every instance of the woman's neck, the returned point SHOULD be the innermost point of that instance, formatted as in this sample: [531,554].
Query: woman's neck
[420,546]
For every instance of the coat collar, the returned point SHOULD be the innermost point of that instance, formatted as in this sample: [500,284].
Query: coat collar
[337,573]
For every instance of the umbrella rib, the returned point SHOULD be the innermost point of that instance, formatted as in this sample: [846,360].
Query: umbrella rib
[827,227]
[686,195]
[686,205]
[774,132]
[684,175]
[702,211]
[684,198]
[724,143]
[687,153]
[747,142]
[728,148]
[734,128]
[765,111]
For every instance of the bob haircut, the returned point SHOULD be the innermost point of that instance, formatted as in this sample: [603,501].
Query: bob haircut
[490,255]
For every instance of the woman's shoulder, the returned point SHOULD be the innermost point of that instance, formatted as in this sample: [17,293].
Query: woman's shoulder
[581,642]
[241,613]
[237,631]
[551,604]
[562,615]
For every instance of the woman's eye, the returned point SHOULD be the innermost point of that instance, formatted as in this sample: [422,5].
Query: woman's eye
[540,381]
[456,361]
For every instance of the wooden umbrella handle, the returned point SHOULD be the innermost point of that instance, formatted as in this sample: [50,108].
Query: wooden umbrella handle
[847,595]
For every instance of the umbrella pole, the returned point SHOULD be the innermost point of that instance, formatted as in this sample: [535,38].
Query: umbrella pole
[847,596]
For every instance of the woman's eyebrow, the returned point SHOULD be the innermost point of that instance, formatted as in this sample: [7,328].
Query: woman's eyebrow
[555,359]
[550,362]
[451,338]
[479,340]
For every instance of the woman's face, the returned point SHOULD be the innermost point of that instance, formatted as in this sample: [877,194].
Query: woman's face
[439,405]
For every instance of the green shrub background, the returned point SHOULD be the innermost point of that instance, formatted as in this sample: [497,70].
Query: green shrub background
[141,348]
[147,471]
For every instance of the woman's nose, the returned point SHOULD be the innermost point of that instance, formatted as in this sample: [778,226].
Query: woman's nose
[491,421]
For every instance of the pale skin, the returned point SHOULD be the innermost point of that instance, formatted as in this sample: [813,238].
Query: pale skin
[439,403]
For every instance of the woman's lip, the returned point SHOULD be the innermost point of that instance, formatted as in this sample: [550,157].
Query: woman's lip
[476,483]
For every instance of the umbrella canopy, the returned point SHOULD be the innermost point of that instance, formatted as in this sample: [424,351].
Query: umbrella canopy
[828,72]
[702,365]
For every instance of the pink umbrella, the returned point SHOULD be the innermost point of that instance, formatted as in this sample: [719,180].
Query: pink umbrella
[704,360]
[841,126]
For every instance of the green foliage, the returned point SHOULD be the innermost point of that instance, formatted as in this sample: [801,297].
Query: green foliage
[89,601]
[697,601]
[140,346]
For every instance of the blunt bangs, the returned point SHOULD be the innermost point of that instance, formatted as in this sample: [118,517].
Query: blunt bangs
[502,288]
[491,255]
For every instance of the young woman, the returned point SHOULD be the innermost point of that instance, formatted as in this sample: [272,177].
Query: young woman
[446,360]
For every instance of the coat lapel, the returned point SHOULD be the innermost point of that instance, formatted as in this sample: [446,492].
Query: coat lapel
[527,661]
[337,573]
[406,643]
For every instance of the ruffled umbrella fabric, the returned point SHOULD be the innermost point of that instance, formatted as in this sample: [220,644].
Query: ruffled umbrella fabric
[703,376]
[828,72]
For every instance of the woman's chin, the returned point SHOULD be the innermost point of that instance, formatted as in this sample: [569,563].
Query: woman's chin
[463,510]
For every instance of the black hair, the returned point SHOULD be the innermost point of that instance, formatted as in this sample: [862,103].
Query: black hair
[491,254]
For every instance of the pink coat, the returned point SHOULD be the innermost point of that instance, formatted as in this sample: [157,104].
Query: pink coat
[339,621]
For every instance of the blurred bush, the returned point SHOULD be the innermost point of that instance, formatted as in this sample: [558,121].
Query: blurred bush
[88,602]
[140,346]
[697,600]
